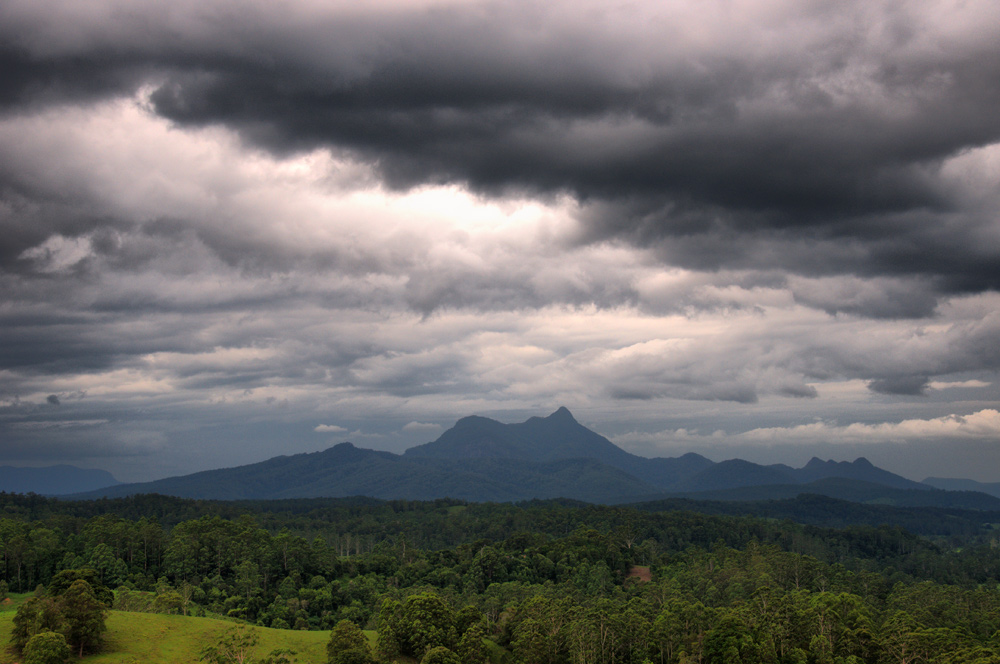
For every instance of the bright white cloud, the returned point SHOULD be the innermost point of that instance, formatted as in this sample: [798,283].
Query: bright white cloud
[984,424]
[981,425]
[58,253]
[958,384]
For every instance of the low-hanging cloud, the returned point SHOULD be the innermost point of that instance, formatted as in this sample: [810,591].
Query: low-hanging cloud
[980,425]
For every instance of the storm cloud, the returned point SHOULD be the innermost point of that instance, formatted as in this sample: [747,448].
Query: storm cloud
[333,219]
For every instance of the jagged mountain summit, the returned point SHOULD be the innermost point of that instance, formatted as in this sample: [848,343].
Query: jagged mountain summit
[558,436]
[860,469]
[481,459]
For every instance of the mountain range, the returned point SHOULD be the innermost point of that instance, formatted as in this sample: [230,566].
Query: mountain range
[481,459]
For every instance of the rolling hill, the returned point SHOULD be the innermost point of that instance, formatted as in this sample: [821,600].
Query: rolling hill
[345,470]
[953,484]
[856,491]
[165,639]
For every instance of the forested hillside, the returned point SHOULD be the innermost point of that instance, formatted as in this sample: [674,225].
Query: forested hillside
[546,582]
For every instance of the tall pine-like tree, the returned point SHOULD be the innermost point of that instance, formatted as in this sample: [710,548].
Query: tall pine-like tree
[83,616]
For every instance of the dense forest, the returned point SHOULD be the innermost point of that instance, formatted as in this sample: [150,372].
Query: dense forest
[541,582]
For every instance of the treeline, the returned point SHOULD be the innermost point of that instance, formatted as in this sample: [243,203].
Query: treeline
[548,581]
[758,605]
[40,535]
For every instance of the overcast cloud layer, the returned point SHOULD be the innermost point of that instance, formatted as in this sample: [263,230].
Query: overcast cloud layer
[756,229]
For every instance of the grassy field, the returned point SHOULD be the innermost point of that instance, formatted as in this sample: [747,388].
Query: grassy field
[148,638]
[153,638]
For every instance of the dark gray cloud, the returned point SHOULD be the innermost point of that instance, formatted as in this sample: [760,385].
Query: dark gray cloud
[213,212]
[903,385]
[822,156]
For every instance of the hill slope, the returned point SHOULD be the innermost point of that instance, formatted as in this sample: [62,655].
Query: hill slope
[856,491]
[166,639]
[952,484]
[53,480]
[345,470]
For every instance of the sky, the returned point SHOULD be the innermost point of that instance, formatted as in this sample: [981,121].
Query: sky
[234,230]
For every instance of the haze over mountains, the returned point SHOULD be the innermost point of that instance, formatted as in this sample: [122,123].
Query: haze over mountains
[481,459]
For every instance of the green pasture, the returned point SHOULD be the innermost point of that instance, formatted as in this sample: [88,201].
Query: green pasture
[150,638]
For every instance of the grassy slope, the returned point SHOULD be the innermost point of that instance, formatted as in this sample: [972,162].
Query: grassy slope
[152,638]
[161,639]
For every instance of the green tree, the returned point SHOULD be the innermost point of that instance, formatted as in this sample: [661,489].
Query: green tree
[440,655]
[348,645]
[540,632]
[898,639]
[36,615]
[470,648]
[238,645]
[62,581]
[168,601]
[15,542]
[102,559]
[389,642]
[421,622]
[46,648]
[247,578]
[83,616]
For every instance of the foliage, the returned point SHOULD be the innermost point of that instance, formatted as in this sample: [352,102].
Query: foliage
[75,613]
[471,648]
[238,645]
[62,581]
[83,617]
[421,622]
[544,581]
[34,616]
[348,645]
[46,648]
[440,655]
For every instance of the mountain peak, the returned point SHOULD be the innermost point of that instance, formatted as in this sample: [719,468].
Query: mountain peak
[562,414]
[859,469]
